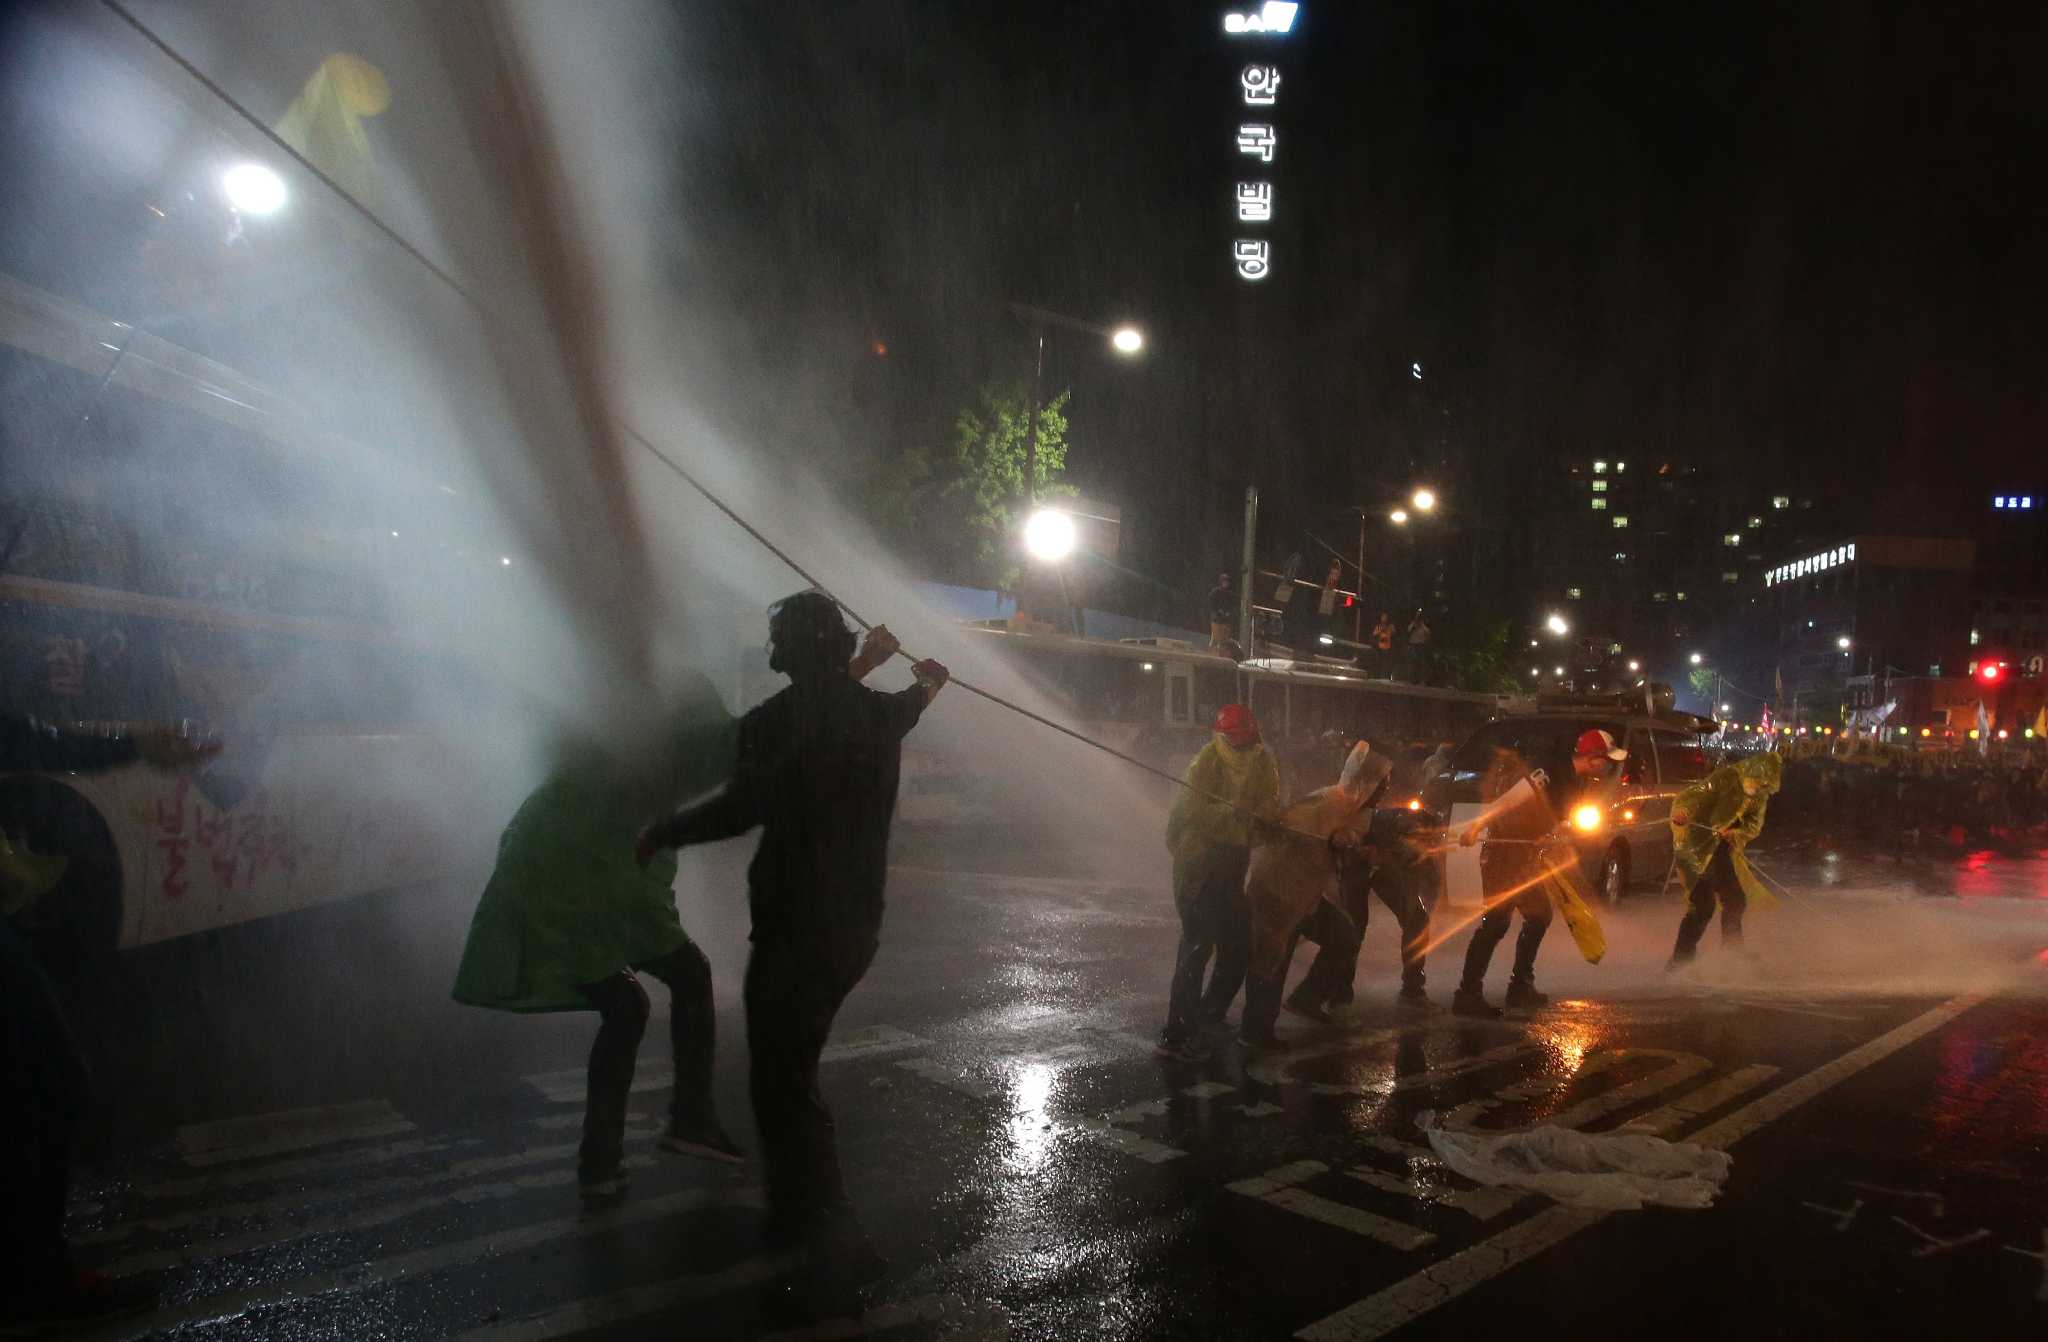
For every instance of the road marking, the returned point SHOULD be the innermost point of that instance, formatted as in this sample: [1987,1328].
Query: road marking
[965,1320]
[455,1173]
[1207,1090]
[571,1084]
[952,1078]
[1279,1188]
[1479,1203]
[291,1169]
[365,1219]
[1935,1244]
[357,1277]
[228,1139]
[1936,1202]
[601,1311]
[1844,1216]
[1408,1300]
[1670,1118]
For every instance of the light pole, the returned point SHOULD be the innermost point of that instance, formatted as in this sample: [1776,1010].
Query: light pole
[1423,501]
[1127,340]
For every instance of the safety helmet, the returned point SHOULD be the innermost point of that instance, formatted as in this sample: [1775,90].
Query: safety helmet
[806,634]
[1236,725]
[1593,741]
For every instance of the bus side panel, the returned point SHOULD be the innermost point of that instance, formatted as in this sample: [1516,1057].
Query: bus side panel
[314,826]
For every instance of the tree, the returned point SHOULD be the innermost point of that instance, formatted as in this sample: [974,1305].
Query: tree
[1488,663]
[956,504]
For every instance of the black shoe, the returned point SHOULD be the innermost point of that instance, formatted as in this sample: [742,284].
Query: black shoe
[1678,963]
[1522,996]
[1263,1039]
[1468,1002]
[1341,997]
[706,1139]
[1307,1009]
[601,1189]
[1180,1049]
[1415,1000]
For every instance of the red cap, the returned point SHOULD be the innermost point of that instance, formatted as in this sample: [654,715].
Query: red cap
[1596,742]
[1235,723]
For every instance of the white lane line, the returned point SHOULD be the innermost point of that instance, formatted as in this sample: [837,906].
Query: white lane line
[1097,1130]
[250,1175]
[455,1173]
[964,1320]
[366,1219]
[1119,1139]
[601,1311]
[1408,1300]
[570,1084]
[228,1139]
[1664,1121]
[952,1078]
[1279,1188]
[1479,1203]
[358,1276]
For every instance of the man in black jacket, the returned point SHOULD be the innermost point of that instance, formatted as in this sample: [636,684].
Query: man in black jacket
[816,768]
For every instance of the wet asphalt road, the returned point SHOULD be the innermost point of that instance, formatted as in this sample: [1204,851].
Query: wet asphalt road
[301,1138]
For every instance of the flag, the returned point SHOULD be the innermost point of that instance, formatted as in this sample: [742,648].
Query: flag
[2041,723]
[1983,730]
[1763,720]
[1778,688]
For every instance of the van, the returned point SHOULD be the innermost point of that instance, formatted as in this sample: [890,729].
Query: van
[1621,829]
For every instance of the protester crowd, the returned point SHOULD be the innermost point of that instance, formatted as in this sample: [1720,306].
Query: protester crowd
[1898,798]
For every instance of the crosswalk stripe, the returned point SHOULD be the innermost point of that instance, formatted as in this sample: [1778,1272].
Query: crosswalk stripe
[633,1302]
[424,1262]
[1480,1203]
[216,1143]
[1281,1189]
[570,1084]
[250,1175]
[455,1173]
[365,1219]
[1670,1118]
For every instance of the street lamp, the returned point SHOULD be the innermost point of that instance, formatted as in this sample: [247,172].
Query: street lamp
[253,189]
[1843,643]
[1697,658]
[1423,500]
[1127,340]
[1049,535]
[1399,517]
[1556,625]
[1634,667]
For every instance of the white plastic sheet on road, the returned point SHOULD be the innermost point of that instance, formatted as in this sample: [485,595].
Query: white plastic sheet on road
[1606,1171]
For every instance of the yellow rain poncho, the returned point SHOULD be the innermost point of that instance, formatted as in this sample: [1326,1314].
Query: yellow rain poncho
[1732,798]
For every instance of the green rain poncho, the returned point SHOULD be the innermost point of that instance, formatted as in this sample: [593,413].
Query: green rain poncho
[566,904]
[1199,822]
[1734,796]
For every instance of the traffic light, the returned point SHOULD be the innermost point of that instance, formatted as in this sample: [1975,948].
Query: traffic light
[1990,673]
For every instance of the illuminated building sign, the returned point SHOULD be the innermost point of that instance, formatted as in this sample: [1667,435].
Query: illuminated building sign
[1258,87]
[2015,502]
[1272,17]
[1800,568]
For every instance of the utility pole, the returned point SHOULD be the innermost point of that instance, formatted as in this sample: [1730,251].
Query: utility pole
[1358,618]
[1245,570]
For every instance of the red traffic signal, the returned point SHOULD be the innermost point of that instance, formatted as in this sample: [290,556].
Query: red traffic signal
[1990,672]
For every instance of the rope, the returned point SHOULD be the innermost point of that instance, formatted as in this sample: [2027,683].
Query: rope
[376,222]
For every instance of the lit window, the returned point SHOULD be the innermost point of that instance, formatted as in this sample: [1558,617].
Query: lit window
[1621,556]
[1973,638]
[1756,523]
[1681,596]
[1620,521]
[1620,466]
[1572,593]
[1780,501]
[1660,596]
[1599,486]
[1726,576]
[1599,468]
[1599,505]
[1733,538]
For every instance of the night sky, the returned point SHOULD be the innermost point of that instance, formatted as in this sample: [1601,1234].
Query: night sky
[1798,244]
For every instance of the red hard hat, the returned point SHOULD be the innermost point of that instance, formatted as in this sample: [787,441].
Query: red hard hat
[1236,725]
[1593,741]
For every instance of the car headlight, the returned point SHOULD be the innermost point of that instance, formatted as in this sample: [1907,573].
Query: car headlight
[1587,819]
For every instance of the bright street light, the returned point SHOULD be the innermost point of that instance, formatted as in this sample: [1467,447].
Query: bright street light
[1127,340]
[1697,658]
[1843,643]
[1556,625]
[1049,535]
[1725,707]
[1557,670]
[1423,499]
[1634,667]
[253,188]
[1399,517]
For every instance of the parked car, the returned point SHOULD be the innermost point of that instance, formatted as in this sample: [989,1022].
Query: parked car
[1622,832]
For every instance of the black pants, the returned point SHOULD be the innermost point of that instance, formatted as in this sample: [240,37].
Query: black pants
[794,989]
[1718,879]
[1329,978]
[622,1007]
[1511,868]
[45,1085]
[1215,920]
